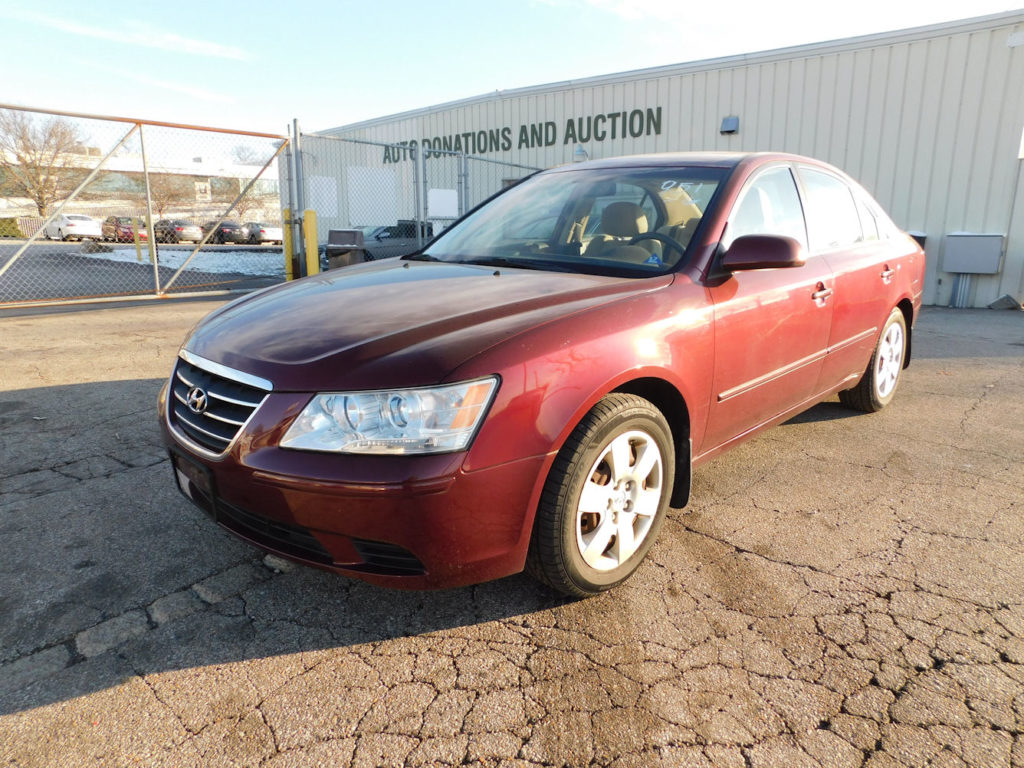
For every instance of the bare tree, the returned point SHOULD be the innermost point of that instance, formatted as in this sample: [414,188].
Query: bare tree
[39,157]
[168,191]
[246,155]
[249,202]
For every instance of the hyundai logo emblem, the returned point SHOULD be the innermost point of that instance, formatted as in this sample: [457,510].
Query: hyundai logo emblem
[196,400]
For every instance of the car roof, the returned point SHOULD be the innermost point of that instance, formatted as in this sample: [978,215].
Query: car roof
[701,159]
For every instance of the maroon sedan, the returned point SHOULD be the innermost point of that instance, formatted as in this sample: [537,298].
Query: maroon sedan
[534,387]
[121,229]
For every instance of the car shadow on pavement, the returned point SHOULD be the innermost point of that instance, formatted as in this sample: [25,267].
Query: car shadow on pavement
[829,411]
[109,573]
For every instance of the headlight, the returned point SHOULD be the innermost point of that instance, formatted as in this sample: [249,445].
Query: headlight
[405,421]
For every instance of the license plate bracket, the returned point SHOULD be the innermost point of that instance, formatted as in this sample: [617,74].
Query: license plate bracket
[195,483]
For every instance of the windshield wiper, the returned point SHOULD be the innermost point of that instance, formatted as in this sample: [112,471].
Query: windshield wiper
[504,261]
[420,257]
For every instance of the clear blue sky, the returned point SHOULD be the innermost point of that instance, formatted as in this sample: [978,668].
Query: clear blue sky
[251,66]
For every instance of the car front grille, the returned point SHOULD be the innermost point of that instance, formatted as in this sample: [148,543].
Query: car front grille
[221,403]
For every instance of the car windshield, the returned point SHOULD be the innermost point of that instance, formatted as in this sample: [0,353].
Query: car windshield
[624,221]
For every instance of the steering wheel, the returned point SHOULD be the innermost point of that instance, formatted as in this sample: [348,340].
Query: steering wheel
[664,239]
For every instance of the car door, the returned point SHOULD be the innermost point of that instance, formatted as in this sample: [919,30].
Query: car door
[843,233]
[771,325]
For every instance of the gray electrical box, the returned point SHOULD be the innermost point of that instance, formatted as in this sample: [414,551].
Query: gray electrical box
[968,253]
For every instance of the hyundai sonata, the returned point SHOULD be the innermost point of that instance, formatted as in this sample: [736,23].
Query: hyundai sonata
[533,388]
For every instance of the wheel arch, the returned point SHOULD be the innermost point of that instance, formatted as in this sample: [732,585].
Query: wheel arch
[670,401]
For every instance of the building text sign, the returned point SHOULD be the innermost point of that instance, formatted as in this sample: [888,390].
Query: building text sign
[632,123]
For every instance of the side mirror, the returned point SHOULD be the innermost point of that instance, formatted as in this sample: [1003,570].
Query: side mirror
[763,252]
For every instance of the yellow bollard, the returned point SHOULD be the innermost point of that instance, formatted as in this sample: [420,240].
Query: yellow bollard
[312,244]
[287,246]
[135,237]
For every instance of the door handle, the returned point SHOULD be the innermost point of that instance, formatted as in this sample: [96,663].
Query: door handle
[822,293]
[887,273]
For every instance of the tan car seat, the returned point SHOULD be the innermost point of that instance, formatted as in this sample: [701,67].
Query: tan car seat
[620,222]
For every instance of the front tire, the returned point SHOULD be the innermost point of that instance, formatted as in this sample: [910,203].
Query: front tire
[605,498]
[877,386]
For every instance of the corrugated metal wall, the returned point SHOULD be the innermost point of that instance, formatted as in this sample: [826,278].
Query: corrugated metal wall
[930,120]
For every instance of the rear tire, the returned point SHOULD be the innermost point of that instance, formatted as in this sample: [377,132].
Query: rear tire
[605,498]
[877,386]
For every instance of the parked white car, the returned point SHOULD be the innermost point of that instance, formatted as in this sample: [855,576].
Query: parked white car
[73,226]
[263,233]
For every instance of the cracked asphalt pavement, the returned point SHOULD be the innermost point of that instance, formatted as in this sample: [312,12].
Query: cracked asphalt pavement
[843,590]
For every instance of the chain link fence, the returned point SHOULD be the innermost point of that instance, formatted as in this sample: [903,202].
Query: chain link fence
[94,207]
[396,196]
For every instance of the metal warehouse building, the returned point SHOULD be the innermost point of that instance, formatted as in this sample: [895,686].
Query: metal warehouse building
[930,120]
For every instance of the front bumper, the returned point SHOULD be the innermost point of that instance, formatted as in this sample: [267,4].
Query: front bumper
[418,522]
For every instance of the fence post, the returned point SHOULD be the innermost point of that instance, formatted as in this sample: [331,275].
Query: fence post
[464,200]
[417,204]
[421,224]
[151,236]
[287,246]
[298,187]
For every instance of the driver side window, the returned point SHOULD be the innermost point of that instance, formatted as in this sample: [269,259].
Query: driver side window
[769,205]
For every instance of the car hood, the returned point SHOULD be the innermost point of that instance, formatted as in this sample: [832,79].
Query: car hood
[392,323]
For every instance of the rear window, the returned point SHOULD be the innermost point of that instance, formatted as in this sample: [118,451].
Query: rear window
[832,217]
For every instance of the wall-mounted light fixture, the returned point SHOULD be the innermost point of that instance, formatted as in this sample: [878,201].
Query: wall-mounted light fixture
[579,154]
[730,125]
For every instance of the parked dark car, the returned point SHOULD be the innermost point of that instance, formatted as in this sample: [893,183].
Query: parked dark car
[121,229]
[534,388]
[345,247]
[176,230]
[384,242]
[226,232]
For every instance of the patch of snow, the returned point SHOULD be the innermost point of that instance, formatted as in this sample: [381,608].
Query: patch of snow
[220,262]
